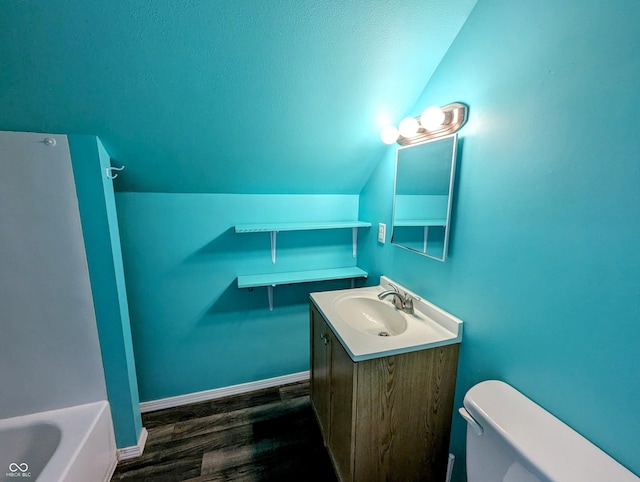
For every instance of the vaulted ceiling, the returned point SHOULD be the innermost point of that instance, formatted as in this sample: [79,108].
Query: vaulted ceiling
[245,96]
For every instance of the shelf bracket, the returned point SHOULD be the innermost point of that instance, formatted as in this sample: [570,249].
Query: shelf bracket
[426,236]
[273,246]
[270,294]
[354,240]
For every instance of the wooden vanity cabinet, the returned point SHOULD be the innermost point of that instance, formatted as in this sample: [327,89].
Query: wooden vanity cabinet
[384,419]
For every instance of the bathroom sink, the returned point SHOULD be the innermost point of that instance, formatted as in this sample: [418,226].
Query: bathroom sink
[371,316]
[368,327]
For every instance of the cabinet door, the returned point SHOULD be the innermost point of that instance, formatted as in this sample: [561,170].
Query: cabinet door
[341,437]
[320,352]
[404,410]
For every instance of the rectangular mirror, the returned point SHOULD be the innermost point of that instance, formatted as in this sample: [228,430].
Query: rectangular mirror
[423,196]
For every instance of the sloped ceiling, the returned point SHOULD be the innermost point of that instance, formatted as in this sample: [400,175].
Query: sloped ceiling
[245,96]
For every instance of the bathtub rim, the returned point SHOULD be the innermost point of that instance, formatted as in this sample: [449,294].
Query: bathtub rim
[77,424]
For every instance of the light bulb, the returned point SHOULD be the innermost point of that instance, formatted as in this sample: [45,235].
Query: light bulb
[432,118]
[389,135]
[408,127]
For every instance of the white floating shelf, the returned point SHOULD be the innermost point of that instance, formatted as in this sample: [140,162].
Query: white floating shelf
[274,228]
[268,227]
[291,277]
[273,279]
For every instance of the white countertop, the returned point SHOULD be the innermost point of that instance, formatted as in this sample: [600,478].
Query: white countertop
[429,327]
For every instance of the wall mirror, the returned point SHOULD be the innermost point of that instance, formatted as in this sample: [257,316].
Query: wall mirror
[423,196]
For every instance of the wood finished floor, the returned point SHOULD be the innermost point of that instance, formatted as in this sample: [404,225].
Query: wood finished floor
[266,435]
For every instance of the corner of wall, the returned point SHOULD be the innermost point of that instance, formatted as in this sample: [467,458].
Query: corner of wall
[100,230]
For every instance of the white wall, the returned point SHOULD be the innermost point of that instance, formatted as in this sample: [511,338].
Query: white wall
[49,350]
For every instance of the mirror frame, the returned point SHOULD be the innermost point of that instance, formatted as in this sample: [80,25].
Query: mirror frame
[447,226]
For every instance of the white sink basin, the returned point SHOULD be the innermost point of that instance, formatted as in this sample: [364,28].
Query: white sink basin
[371,316]
[369,328]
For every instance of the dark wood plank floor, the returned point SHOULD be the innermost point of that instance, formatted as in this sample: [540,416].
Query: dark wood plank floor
[267,435]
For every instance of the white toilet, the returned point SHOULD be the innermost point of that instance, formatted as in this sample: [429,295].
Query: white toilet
[511,439]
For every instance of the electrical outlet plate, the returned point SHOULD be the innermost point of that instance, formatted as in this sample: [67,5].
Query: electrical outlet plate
[382,232]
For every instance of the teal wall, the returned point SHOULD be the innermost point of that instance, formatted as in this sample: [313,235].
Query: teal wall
[246,96]
[543,263]
[104,256]
[193,329]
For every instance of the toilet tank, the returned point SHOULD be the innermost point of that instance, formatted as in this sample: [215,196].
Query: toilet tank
[511,439]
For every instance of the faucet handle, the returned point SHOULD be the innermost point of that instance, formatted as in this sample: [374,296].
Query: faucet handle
[408,299]
[395,288]
[408,302]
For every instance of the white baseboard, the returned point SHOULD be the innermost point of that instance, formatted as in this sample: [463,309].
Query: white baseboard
[135,450]
[221,392]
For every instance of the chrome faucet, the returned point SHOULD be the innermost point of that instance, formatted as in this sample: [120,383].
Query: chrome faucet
[401,302]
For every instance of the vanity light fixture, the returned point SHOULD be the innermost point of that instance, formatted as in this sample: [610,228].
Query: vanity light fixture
[432,118]
[408,127]
[389,135]
[433,122]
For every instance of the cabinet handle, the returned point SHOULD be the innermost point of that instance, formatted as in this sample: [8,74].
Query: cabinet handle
[324,338]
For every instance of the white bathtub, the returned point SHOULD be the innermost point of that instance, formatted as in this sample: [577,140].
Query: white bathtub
[74,444]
